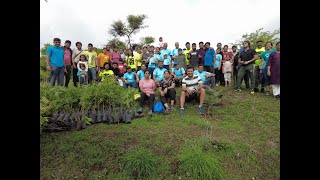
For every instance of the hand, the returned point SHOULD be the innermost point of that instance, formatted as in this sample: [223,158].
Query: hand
[189,91]
[126,81]
[148,94]
[74,66]
[246,62]
[219,68]
[165,90]
[200,56]
[49,68]
[83,73]
[269,73]
[65,70]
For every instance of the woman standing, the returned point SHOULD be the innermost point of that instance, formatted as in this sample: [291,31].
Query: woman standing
[274,71]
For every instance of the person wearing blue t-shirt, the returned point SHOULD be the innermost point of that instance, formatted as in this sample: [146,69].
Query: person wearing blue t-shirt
[140,73]
[174,52]
[178,73]
[206,77]
[152,63]
[129,79]
[158,72]
[209,58]
[167,58]
[55,62]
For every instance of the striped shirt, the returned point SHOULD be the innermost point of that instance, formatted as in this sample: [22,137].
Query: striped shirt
[191,83]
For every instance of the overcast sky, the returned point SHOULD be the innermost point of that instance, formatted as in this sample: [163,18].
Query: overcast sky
[215,21]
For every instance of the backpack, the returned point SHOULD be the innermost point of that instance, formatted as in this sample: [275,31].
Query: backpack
[158,107]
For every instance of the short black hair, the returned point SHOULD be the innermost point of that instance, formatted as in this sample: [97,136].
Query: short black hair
[200,42]
[90,44]
[67,41]
[259,41]
[225,46]
[246,42]
[105,64]
[234,46]
[194,44]
[56,39]
[269,42]
[78,43]
[179,49]
[152,46]
[207,43]
[115,63]
[200,65]
[190,67]
[187,43]
[219,43]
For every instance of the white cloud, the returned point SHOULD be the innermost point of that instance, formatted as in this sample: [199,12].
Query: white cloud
[175,20]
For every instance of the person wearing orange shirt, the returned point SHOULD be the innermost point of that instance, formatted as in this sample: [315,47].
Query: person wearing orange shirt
[103,58]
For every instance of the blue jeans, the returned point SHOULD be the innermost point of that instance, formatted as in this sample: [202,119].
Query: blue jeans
[93,74]
[57,73]
[266,77]
[131,84]
[210,82]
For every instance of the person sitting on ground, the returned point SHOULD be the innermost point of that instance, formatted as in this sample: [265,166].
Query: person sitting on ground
[129,78]
[166,89]
[140,73]
[105,72]
[192,88]
[178,73]
[83,74]
[147,87]
[206,77]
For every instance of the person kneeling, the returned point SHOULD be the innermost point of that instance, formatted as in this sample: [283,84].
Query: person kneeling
[166,89]
[192,88]
[147,88]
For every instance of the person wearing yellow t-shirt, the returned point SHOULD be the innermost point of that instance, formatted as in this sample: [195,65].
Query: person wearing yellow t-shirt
[92,63]
[103,58]
[105,72]
[257,75]
[131,61]
[138,59]
[186,52]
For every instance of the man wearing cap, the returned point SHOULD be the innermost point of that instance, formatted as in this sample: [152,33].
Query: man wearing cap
[129,79]
[158,73]
[178,73]
[67,61]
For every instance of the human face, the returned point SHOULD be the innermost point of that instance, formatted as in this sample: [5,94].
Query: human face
[82,58]
[245,45]
[104,50]
[160,39]
[146,74]
[121,51]
[190,72]
[225,48]
[194,47]
[201,45]
[106,66]
[268,46]
[129,70]
[200,68]
[143,67]
[114,66]
[259,45]
[166,75]
[219,45]
[165,45]
[90,48]
[188,46]
[57,43]
[278,47]
[176,45]
[207,46]
[179,52]
[83,67]
[67,45]
[108,48]
[79,46]
[234,49]
[115,49]
[218,51]
[160,64]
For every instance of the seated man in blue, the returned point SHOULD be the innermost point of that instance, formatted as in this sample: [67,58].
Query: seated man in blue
[178,73]
[158,72]
[129,78]
[206,77]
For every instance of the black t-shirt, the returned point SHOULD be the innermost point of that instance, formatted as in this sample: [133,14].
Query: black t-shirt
[248,55]
[116,72]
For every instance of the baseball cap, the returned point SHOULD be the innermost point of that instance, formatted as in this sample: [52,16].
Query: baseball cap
[176,63]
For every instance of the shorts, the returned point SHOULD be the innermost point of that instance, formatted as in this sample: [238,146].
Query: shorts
[193,96]
[227,76]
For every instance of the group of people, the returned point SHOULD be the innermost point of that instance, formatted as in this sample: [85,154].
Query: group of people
[150,68]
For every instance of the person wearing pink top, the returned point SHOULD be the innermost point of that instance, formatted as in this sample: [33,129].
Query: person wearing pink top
[115,55]
[67,61]
[147,87]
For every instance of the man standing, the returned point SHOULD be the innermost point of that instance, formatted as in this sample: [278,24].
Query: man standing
[161,42]
[67,61]
[193,56]
[209,58]
[201,53]
[192,88]
[55,62]
[75,59]
[258,76]
[246,61]
[174,52]
[92,62]
[186,52]
[167,60]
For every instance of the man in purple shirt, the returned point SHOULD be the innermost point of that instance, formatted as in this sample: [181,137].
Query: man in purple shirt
[201,51]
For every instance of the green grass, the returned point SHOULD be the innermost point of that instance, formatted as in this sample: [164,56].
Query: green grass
[238,139]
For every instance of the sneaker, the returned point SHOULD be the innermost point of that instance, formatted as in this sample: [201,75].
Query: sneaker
[252,92]
[201,110]
[140,109]
[262,90]
[277,96]
[267,93]
[150,112]
[167,111]
[217,84]
[171,107]
[181,112]
[237,90]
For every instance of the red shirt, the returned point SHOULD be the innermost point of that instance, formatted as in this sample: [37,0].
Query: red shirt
[225,54]
[67,57]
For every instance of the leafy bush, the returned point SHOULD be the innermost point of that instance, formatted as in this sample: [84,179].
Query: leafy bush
[198,164]
[140,163]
